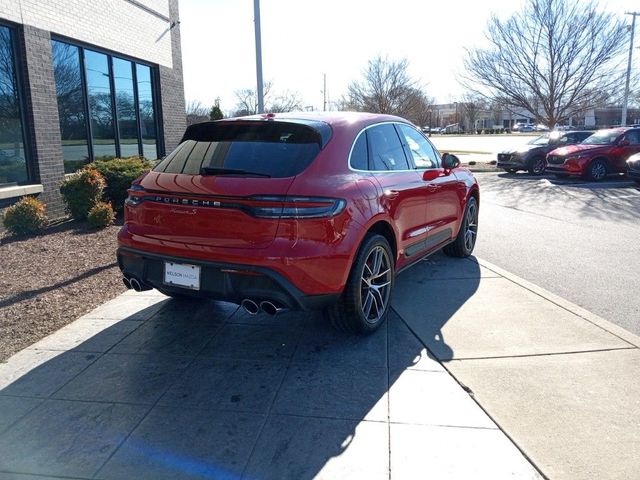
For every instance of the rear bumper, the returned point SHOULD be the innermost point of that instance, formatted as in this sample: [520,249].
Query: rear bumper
[222,281]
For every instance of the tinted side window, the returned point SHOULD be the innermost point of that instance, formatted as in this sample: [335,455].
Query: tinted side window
[634,137]
[359,156]
[385,149]
[422,152]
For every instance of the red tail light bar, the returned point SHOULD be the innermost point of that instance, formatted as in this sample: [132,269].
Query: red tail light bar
[260,206]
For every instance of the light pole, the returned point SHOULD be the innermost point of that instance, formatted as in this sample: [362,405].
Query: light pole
[256,21]
[626,88]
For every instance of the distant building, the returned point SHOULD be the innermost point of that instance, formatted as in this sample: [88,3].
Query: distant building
[81,80]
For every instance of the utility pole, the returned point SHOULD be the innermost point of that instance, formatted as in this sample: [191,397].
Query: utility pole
[626,88]
[260,91]
[324,93]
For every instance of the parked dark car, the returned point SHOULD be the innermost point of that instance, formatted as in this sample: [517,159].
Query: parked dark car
[531,156]
[297,211]
[633,167]
[603,153]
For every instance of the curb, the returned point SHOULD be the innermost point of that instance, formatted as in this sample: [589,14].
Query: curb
[600,322]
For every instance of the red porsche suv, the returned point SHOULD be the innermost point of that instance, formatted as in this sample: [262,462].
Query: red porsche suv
[296,211]
[599,155]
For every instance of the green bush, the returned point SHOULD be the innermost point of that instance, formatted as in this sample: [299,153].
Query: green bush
[101,215]
[119,173]
[81,191]
[25,217]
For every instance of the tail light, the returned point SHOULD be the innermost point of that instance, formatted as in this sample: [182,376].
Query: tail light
[260,206]
[136,195]
[294,207]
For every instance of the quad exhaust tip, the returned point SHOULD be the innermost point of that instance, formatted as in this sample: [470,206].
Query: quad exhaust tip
[269,308]
[135,284]
[253,308]
[250,306]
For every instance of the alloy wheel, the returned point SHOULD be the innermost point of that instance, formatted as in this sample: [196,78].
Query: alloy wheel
[471,226]
[375,284]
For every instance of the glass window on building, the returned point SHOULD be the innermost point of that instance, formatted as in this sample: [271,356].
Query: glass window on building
[100,104]
[147,112]
[126,107]
[71,105]
[13,165]
[106,105]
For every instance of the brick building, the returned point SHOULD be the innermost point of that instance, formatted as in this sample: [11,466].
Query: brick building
[81,80]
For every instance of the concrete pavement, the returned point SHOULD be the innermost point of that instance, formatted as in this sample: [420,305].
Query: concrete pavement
[515,383]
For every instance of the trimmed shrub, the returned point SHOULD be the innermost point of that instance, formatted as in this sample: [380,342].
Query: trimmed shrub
[119,173]
[25,217]
[101,215]
[81,191]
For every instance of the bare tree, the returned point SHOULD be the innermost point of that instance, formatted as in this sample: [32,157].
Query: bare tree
[247,101]
[196,112]
[554,59]
[472,107]
[386,87]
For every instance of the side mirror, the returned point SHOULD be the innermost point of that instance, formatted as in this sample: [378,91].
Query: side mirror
[624,142]
[450,161]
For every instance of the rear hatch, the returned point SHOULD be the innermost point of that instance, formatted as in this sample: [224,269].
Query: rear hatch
[226,184]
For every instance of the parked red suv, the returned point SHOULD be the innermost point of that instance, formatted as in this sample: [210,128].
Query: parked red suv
[296,211]
[604,152]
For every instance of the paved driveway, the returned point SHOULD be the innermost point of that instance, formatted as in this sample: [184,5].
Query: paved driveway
[146,387]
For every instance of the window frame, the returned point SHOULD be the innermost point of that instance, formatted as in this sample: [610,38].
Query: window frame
[410,161]
[408,152]
[155,93]
[17,34]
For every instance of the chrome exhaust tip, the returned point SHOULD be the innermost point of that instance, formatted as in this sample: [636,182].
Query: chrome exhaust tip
[250,306]
[126,282]
[270,308]
[135,284]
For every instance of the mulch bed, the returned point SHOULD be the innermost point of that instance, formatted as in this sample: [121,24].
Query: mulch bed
[49,280]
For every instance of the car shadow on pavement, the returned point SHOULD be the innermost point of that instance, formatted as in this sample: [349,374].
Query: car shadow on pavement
[147,387]
[613,198]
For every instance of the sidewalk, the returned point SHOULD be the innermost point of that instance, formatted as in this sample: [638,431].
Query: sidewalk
[145,387]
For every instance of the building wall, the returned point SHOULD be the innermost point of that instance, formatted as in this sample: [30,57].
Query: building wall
[174,119]
[144,29]
[43,126]
[124,26]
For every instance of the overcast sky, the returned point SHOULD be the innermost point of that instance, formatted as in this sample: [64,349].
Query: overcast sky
[304,39]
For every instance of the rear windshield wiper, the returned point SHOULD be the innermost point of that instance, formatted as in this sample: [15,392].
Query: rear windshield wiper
[230,171]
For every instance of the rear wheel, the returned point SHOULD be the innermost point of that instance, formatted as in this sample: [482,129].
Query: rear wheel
[364,304]
[597,170]
[464,243]
[537,166]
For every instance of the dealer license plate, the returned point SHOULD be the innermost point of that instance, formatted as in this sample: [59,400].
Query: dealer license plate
[182,275]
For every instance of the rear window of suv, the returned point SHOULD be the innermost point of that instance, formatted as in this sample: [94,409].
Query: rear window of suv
[269,148]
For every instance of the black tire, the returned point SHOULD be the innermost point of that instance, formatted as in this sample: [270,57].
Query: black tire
[465,241]
[596,171]
[368,288]
[537,165]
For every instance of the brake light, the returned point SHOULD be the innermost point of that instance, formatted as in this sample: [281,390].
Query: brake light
[295,207]
[136,195]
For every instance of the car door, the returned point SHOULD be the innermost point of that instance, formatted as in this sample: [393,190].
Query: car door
[443,205]
[630,144]
[403,190]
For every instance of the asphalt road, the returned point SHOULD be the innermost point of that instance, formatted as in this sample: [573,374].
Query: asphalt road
[576,239]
